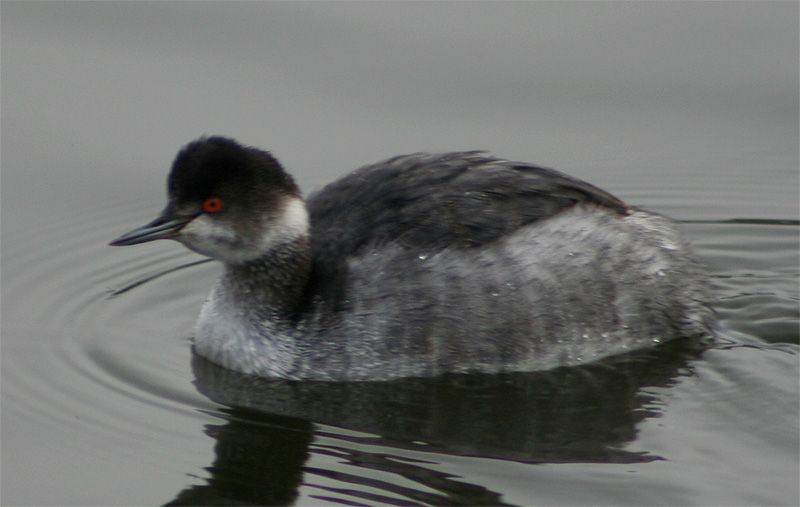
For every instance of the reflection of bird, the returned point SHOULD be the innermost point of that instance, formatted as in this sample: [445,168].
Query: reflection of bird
[422,264]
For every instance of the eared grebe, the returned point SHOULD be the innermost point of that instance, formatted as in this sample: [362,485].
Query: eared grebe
[420,265]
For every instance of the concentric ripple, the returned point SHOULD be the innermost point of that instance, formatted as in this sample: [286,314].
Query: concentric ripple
[58,307]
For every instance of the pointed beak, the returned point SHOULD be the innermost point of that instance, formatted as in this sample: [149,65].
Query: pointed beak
[164,227]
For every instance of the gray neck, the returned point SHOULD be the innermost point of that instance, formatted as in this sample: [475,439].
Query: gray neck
[272,285]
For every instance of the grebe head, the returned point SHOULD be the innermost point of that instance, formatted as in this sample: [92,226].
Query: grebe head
[227,201]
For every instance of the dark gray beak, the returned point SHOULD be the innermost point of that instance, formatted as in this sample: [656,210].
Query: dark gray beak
[164,227]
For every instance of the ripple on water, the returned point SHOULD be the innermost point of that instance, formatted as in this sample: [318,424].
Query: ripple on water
[755,269]
[69,337]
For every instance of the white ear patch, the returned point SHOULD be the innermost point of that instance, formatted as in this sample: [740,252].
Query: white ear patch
[208,235]
[291,224]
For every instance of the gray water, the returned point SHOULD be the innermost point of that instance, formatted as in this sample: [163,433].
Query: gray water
[689,109]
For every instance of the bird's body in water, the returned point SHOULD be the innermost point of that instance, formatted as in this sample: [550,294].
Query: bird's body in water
[421,265]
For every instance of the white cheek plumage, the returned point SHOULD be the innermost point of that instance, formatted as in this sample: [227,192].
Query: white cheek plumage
[215,238]
[208,236]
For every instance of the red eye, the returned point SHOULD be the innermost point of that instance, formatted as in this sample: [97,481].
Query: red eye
[212,205]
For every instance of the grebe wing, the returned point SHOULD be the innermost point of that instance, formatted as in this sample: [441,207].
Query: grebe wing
[429,202]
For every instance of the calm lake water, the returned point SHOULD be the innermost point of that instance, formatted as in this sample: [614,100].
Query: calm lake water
[689,109]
